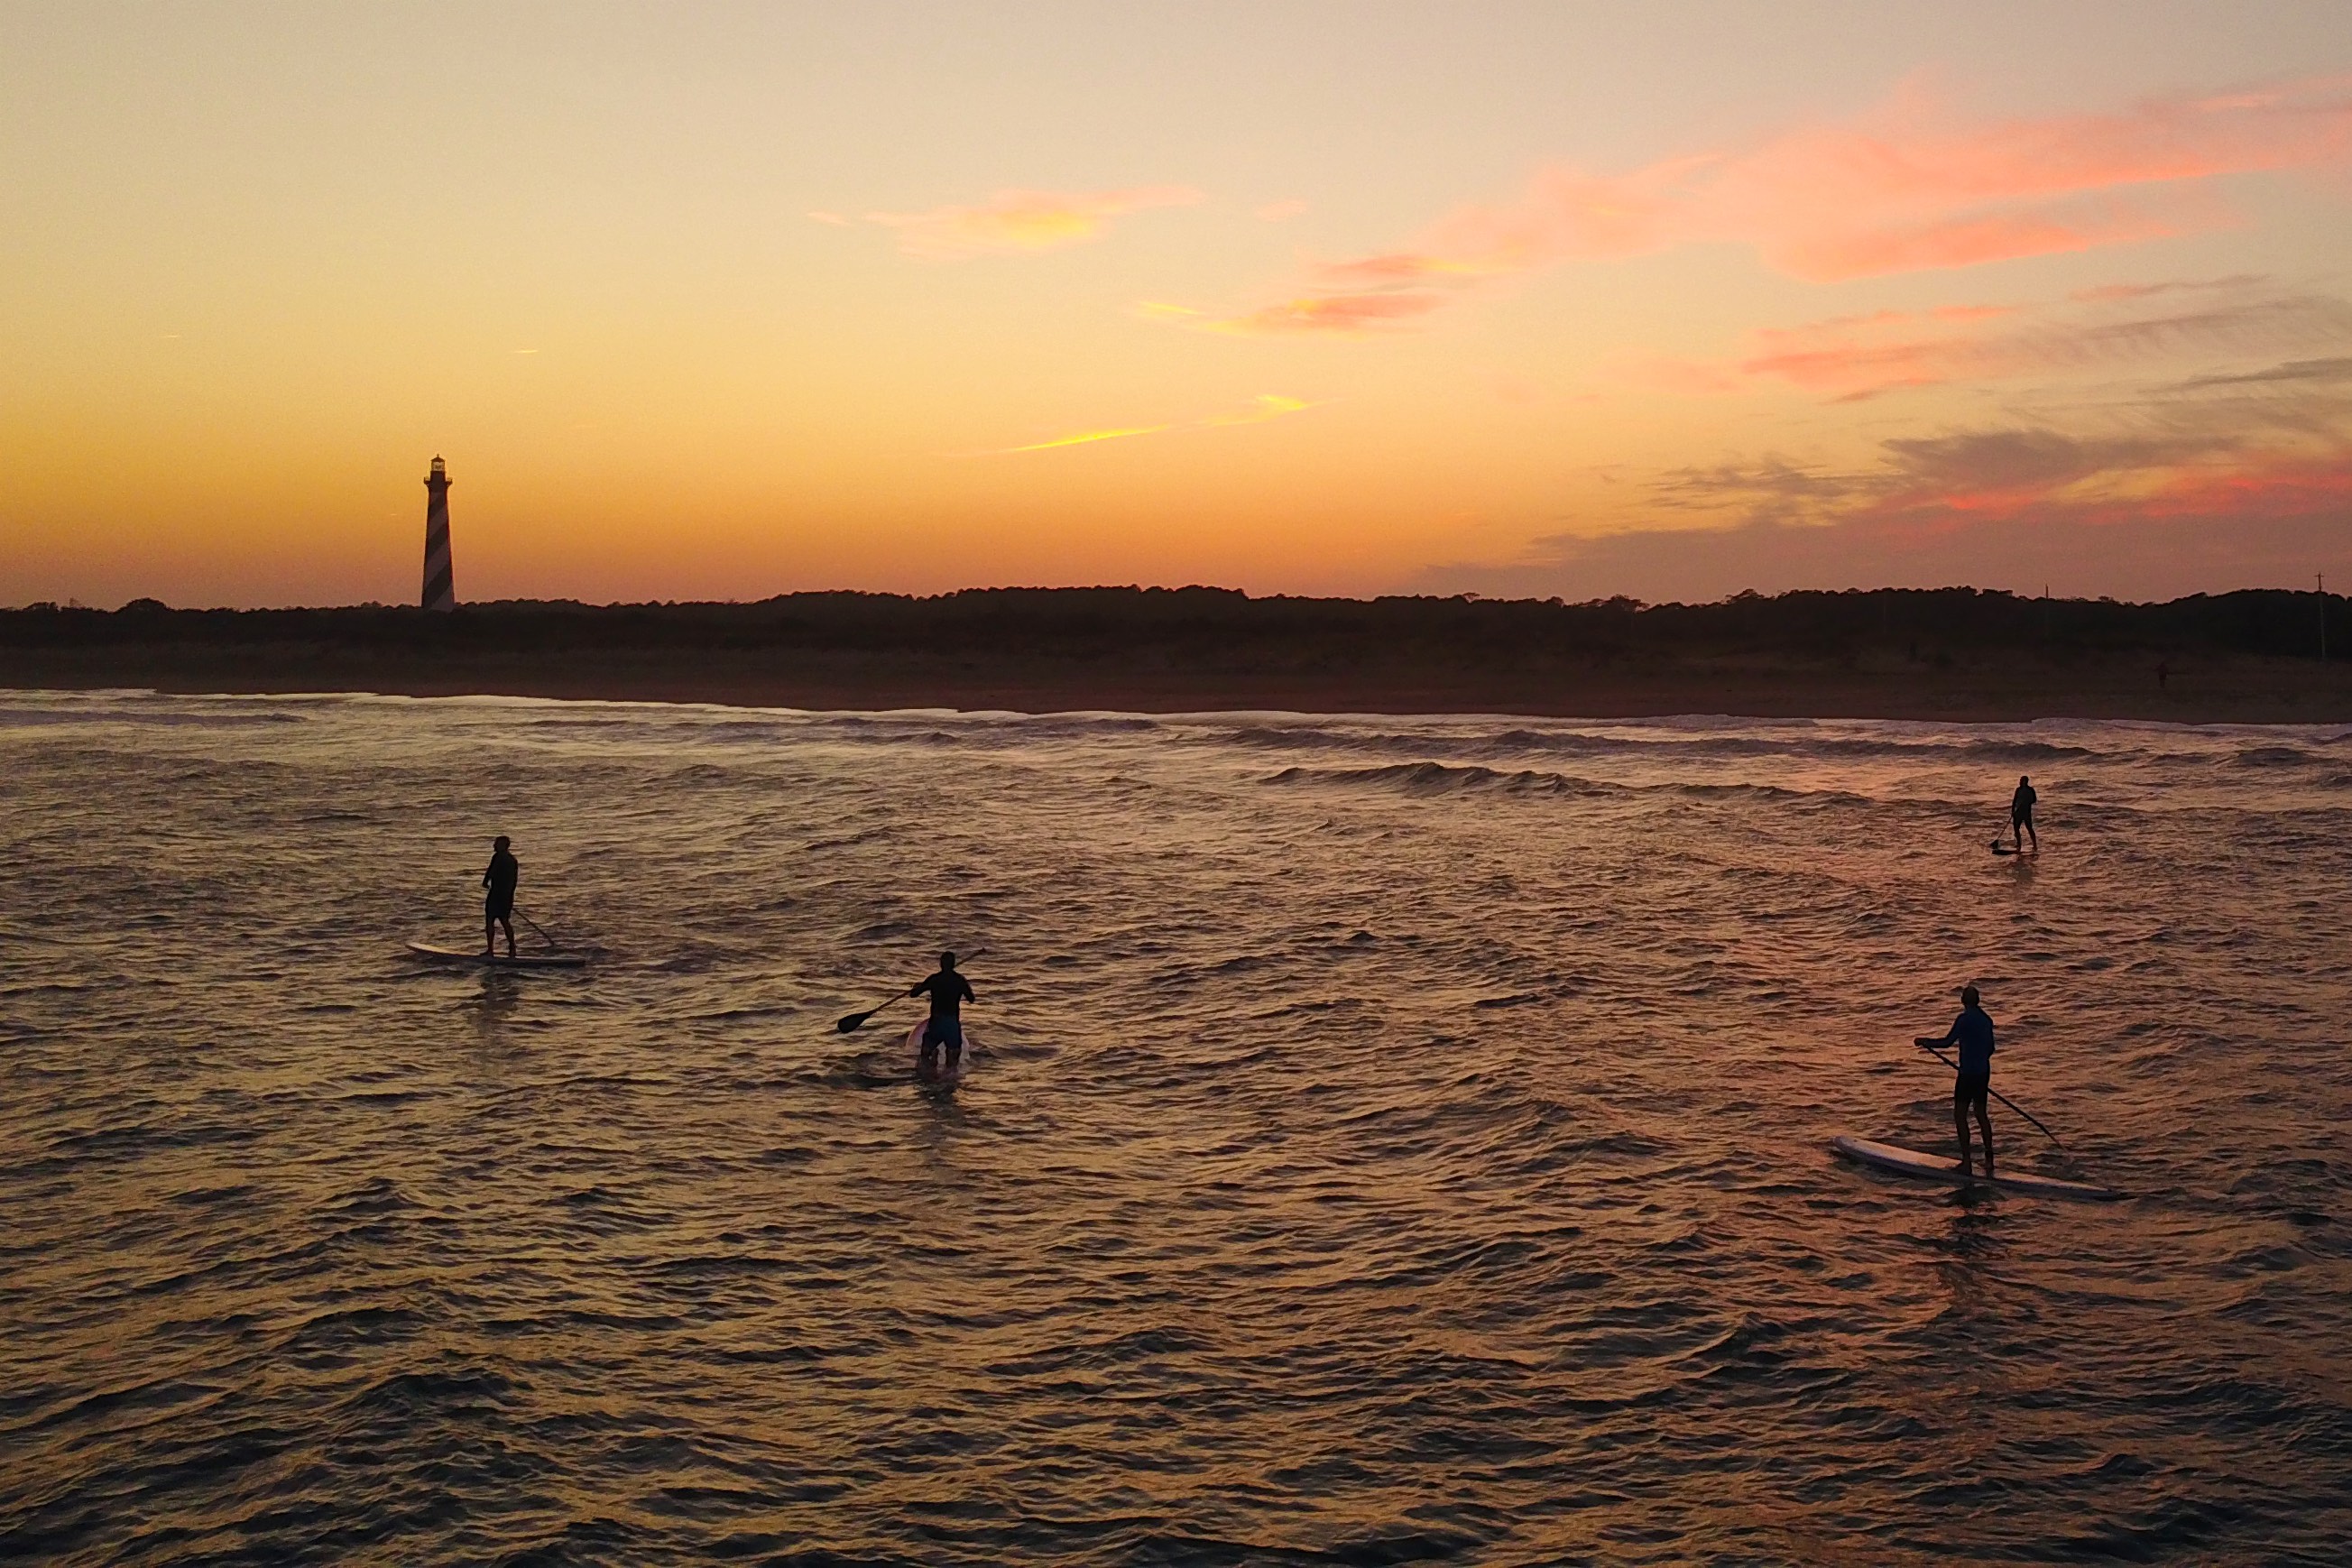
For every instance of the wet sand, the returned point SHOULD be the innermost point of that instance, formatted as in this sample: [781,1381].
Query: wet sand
[2216,690]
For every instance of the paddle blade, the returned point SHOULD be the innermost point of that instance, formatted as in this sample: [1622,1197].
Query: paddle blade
[851,1022]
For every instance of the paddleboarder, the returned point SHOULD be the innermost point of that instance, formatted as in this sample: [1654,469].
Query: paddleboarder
[498,908]
[950,991]
[1972,1032]
[2021,815]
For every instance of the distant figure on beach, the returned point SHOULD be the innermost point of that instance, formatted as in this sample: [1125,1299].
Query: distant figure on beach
[498,908]
[2160,673]
[1972,1032]
[2021,815]
[950,991]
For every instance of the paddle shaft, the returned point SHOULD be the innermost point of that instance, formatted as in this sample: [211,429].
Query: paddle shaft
[853,1021]
[1994,1093]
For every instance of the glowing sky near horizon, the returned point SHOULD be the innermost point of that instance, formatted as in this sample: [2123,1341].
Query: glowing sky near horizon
[1668,300]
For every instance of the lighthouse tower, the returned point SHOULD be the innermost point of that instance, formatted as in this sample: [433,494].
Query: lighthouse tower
[440,587]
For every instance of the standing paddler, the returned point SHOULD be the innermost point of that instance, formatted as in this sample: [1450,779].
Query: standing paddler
[1972,1032]
[2021,815]
[950,991]
[497,905]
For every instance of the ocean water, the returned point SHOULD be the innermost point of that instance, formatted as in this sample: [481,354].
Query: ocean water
[1390,1139]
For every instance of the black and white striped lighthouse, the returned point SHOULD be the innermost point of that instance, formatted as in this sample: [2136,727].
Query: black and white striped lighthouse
[440,585]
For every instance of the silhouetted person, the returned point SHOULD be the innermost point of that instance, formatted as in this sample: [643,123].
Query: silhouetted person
[498,908]
[950,991]
[2021,815]
[2160,673]
[1972,1032]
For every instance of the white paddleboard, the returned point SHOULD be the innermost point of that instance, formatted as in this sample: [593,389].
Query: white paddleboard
[945,1080]
[1942,1168]
[499,960]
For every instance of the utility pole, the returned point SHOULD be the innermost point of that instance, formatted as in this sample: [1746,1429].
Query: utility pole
[2321,578]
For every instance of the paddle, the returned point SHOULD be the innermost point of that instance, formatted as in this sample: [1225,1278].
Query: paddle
[1928,1044]
[849,1023]
[539,928]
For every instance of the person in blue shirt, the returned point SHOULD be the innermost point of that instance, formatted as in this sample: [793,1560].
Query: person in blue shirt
[1972,1032]
[950,991]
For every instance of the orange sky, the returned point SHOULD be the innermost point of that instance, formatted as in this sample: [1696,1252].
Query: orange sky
[1669,299]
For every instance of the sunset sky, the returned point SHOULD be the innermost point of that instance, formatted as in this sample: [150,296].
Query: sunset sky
[719,301]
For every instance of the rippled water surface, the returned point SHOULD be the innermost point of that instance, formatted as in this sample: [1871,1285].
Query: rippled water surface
[1391,1139]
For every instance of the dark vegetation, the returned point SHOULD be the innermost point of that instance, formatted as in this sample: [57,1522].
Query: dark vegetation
[1888,652]
[1222,625]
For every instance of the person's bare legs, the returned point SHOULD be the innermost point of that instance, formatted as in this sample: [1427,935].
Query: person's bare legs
[489,935]
[1984,1120]
[509,926]
[1960,1126]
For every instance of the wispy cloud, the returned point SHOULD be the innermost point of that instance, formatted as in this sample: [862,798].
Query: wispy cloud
[2257,446]
[1264,406]
[1345,315]
[2307,371]
[1016,223]
[1909,186]
[1848,358]
[1085,438]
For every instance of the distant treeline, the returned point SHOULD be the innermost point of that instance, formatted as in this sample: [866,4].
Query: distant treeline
[1225,626]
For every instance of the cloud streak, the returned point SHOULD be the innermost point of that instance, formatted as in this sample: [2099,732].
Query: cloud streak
[1910,187]
[1849,358]
[1265,406]
[1020,222]
[1085,438]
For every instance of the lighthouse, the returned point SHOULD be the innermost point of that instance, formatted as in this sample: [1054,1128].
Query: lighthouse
[440,587]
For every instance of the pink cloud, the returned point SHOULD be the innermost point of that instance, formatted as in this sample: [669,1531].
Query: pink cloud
[2021,507]
[1015,223]
[1908,187]
[1343,315]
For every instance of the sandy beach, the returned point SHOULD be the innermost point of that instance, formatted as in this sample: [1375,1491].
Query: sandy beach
[2223,690]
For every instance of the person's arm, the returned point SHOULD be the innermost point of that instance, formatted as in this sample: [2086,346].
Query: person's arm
[965,985]
[918,987]
[487,870]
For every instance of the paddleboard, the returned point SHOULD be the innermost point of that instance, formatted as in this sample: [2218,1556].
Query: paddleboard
[1942,1168]
[943,1079]
[499,960]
